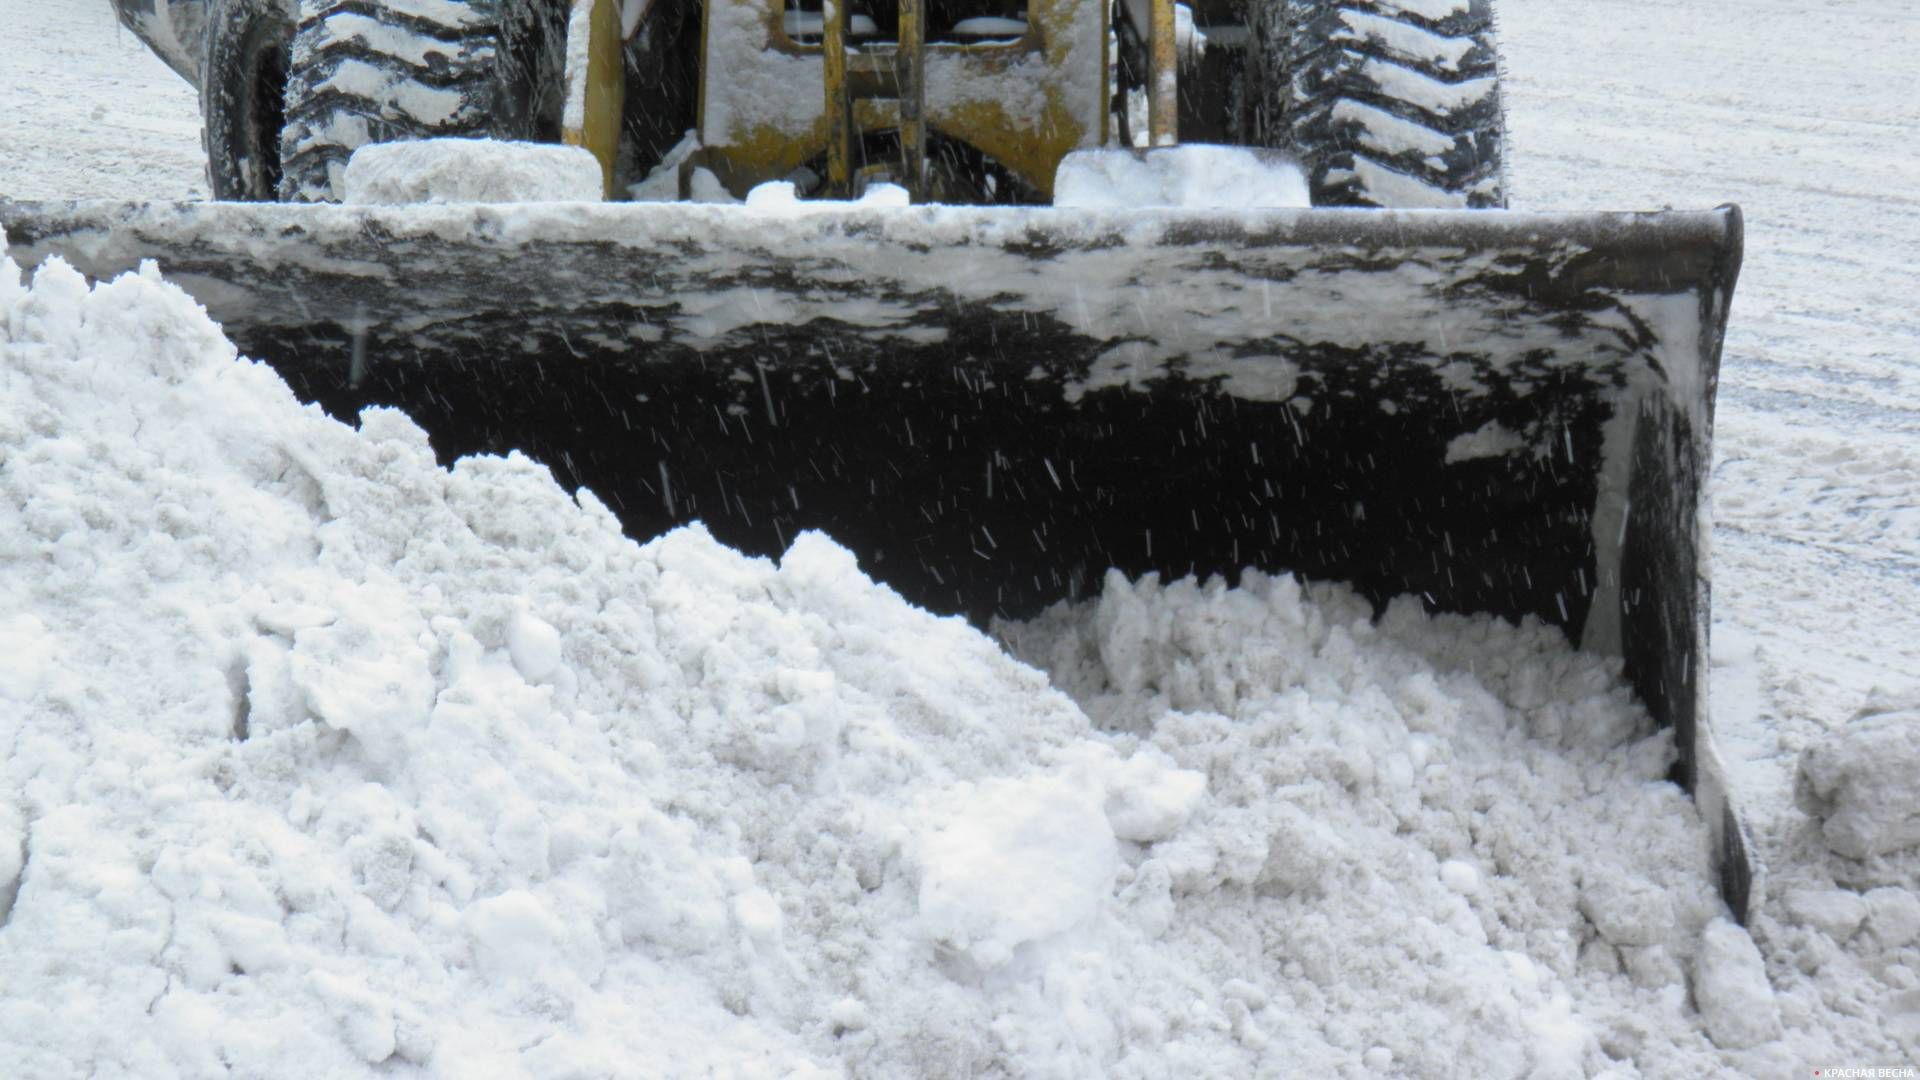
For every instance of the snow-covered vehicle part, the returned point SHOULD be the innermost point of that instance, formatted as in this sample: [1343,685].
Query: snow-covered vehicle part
[388,71]
[243,97]
[290,88]
[1386,103]
[1505,413]
[176,31]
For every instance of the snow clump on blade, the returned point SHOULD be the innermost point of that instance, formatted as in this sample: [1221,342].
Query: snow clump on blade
[470,171]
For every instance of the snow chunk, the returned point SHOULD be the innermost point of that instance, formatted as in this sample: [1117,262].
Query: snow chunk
[775,197]
[662,182]
[1149,797]
[26,650]
[365,1018]
[705,187]
[1492,439]
[884,195]
[1893,914]
[781,198]
[1193,176]
[988,26]
[514,934]
[1627,912]
[573,108]
[1836,913]
[534,645]
[366,672]
[1252,377]
[471,171]
[1731,988]
[1460,877]
[1012,862]
[1862,783]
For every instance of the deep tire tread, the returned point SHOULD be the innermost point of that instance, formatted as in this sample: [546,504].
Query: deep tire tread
[436,77]
[1388,106]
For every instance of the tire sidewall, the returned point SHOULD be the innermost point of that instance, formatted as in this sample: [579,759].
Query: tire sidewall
[246,61]
[529,85]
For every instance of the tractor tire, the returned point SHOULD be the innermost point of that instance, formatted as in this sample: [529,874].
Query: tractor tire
[1386,103]
[242,97]
[365,71]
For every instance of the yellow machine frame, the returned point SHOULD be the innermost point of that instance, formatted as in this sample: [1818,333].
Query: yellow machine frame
[596,95]
[769,104]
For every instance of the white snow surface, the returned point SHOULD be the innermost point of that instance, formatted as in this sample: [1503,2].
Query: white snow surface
[326,759]
[988,26]
[573,112]
[1815,543]
[471,171]
[1862,782]
[1196,176]
[1491,439]
[87,111]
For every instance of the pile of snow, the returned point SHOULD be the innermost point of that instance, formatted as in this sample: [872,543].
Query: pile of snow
[1840,934]
[1862,782]
[781,198]
[1194,176]
[471,171]
[325,760]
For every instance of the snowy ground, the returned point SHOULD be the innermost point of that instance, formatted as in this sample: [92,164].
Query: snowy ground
[1807,123]
[1814,129]
[86,111]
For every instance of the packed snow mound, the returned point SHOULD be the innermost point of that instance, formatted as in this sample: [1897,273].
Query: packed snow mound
[326,760]
[1194,176]
[471,171]
[1732,989]
[1863,782]
[1424,810]
[326,757]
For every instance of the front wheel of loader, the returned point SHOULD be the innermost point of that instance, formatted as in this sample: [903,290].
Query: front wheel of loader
[1385,104]
[364,71]
[242,97]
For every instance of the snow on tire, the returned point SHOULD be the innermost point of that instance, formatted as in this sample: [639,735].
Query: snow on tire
[1391,103]
[383,70]
[242,97]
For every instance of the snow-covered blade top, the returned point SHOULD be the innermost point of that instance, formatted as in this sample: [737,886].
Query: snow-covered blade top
[1497,412]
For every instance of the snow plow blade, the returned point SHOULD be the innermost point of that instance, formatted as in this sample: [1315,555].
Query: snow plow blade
[1498,412]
